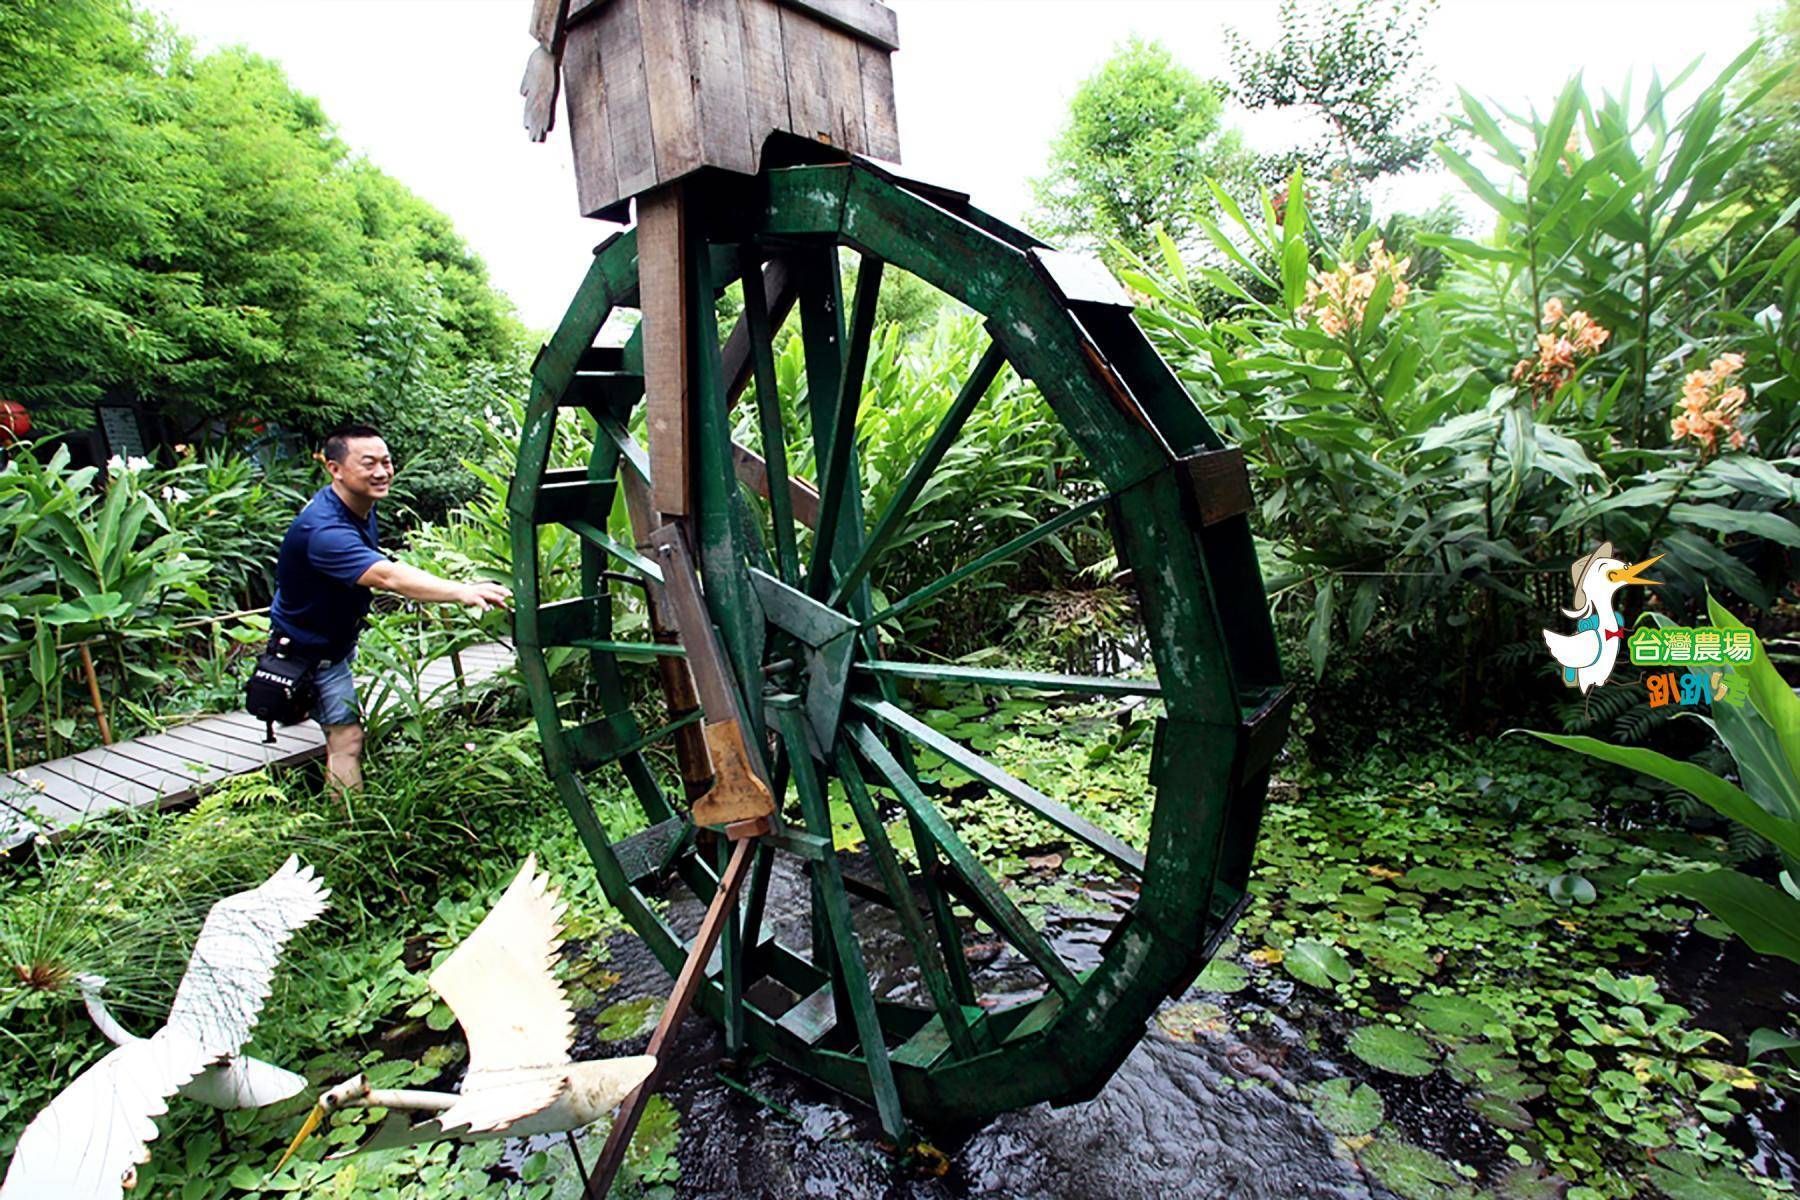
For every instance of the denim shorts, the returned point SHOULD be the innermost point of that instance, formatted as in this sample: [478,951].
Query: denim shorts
[337,704]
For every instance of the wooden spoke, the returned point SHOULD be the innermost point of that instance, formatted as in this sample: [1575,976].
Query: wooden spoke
[848,951]
[925,948]
[986,370]
[836,475]
[1076,826]
[995,905]
[768,412]
[997,555]
[1043,681]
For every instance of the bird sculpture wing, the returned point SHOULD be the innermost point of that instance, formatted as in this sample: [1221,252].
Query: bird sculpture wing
[228,975]
[501,985]
[84,1142]
[1574,650]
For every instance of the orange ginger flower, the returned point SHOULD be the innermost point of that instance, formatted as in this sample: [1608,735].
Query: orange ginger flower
[1336,300]
[1565,337]
[1711,406]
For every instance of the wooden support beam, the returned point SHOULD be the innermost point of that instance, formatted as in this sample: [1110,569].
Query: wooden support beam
[662,244]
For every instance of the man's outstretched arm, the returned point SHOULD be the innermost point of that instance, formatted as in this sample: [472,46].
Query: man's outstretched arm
[414,584]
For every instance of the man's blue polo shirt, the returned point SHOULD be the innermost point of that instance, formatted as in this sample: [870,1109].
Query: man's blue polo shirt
[317,602]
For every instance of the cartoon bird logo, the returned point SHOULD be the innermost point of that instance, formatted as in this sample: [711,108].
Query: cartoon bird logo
[1587,655]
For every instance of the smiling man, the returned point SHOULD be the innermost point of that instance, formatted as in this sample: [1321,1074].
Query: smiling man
[330,560]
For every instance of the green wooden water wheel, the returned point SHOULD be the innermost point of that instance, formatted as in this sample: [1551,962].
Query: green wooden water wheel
[785,549]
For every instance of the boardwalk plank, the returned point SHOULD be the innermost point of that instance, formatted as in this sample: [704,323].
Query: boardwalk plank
[169,768]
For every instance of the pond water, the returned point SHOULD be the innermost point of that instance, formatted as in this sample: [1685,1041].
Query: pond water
[1212,1103]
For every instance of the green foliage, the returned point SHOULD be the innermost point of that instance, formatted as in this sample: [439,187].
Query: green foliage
[193,228]
[1409,484]
[1143,135]
[1355,67]
[1764,740]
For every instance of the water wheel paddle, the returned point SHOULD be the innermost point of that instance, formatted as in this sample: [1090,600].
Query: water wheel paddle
[784,549]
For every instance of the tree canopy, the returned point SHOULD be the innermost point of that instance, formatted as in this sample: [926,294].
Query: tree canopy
[1143,135]
[192,227]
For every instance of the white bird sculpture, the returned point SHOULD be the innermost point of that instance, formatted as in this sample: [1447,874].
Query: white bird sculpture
[1588,655]
[520,1080]
[88,1142]
[242,1082]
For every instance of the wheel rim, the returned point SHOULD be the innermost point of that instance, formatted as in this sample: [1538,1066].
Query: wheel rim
[800,632]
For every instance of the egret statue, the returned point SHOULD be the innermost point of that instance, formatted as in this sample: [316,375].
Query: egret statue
[1588,655]
[88,1142]
[242,1082]
[517,1019]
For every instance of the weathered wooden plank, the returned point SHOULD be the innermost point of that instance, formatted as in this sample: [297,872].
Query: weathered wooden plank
[662,290]
[715,44]
[765,70]
[232,737]
[107,789]
[881,124]
[864,20]
[61,792]
[303,736]
[668,73]
[844,94]
[753,471]
[168,763]
[227,759]
[590,135]
[160,781]
[625,94]
[1218,483]
[808,78]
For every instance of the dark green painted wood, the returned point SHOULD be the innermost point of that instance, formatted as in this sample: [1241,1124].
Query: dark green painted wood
[1198,588]
[987,368]
[925,949]
[1042,681]
[843,931]
[768,410]
[982,562]
[1008,785]
[996,906]
[835,473]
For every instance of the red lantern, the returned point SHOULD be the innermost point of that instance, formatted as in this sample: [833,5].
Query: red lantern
[15,422]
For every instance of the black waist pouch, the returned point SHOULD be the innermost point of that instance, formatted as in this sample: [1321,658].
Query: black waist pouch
[282,689]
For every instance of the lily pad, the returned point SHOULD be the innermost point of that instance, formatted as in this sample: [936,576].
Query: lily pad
[1393,1050]
[1570,888]
[628,1019]
[1507,1114]
[1185,1022]
[1530,1183]
[1412,1172]
[1451,1016]
[1348,1111]
[1223,975]
[1317,964]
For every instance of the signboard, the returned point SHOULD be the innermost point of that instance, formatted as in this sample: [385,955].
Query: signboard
[121,432]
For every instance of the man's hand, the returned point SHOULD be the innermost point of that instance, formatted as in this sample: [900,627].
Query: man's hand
[483,596]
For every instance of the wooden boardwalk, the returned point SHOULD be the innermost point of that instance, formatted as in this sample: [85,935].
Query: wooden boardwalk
[170,768]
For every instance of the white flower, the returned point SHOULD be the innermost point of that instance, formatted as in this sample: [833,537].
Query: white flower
[130,466]
[174,495]
[134,463]
[114,465]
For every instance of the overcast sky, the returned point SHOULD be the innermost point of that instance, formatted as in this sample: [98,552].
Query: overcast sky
[428,90]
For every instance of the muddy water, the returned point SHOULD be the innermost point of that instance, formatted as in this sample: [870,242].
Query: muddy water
[1214,1116]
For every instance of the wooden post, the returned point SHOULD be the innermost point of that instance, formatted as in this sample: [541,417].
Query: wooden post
[662,288]
[93,682]
[687,985]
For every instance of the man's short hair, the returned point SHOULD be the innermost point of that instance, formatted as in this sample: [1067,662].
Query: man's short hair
[337,442]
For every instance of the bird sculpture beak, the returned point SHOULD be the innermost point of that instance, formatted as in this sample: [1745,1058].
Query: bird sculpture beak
[1630,574]
[307,1129]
